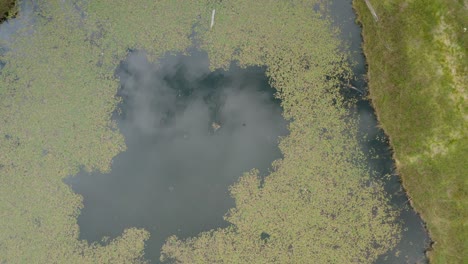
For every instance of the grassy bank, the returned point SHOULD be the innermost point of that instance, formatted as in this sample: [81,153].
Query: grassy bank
[417,68]
[7,9]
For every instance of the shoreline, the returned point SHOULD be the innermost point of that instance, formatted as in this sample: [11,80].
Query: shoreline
[401,175]
[388,93]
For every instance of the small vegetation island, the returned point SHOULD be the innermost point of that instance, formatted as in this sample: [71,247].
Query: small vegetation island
[319,203]
[8,9]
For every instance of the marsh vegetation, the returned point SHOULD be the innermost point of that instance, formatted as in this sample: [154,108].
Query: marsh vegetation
[8,9]
[58,94]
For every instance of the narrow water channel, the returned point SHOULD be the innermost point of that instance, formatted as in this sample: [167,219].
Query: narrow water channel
[414,238]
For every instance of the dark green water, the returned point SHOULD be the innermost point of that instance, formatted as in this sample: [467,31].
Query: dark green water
[174,176]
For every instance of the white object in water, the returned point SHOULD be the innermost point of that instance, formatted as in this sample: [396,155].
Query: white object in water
[212,18]
[215,126]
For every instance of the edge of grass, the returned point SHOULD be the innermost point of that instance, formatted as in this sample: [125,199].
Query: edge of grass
[416,55]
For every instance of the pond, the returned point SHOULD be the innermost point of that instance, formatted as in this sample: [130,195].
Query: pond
[190,134]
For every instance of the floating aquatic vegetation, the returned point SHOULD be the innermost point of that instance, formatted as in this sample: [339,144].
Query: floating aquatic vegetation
[57,92]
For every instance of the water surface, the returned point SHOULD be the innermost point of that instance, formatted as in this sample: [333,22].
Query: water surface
[375,145]
[190,133]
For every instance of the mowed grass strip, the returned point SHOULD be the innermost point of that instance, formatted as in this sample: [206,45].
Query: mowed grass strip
[417,68]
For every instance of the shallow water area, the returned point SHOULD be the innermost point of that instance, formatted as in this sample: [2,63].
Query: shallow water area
[190,133]
[374,143]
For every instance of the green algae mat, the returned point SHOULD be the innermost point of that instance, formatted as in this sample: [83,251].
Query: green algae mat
[58,91]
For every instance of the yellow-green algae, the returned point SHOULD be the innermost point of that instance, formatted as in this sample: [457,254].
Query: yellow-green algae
[57,92]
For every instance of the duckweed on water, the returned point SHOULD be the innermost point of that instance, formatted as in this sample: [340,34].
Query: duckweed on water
[57,93]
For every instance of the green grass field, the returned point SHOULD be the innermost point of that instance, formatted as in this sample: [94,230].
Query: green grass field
[417,69]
